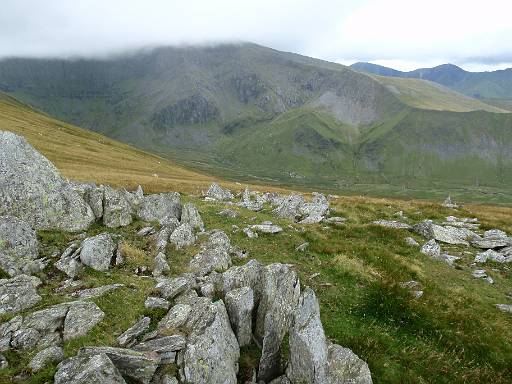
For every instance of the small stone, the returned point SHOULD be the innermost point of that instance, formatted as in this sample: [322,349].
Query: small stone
[156,302]
[412,242]
[131,334]
[216,192]
[146,231]
[228,213]
[392,224]
[431,248]
[507,308]
[266,228]
[303,247]
[250,234]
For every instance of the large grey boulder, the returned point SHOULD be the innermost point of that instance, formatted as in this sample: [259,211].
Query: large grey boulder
[316,210]
[93,196]
[69,262]
[81,317]
[492,255]
[18,293]
[239,304]
[165,347]
[117,211]
[290,207]
[344,366]
[279,296]
[175,318]
[216,192]
[50,355]
[160,207]
[191,216]
[493,239]
[19,248]
[308,345]
[134,365]
[211,354]
[431,248]
[183,236]
[447,234]
[169,288]
[98,251]
[247,275]
[214,255]
[87,369]
[33,190]
[7,331]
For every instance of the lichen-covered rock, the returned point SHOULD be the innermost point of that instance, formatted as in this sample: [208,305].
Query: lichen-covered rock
[88,369]
[117,211]
[279,295]
[33,190]
[493,239]
[392,224]
[131,334]
[316,210]
[18,293]
[344,366]
[69,262]
[7,330]
[156,302]
[165,347]
[431,248]
[97,252]
[492,255]
[266,228]
[212,353]
[19,248]
[239,304]
[247,275]
[183,236]
[162,237]
[308,345]
[216,192]
[161,266]
[47,356]
[81,318]
[176,317]
[191,216]
[214,255]
[160,207]
[290,207]
[134,365]
[171,287]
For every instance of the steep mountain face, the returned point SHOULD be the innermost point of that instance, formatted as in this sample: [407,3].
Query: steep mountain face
[481,85]
[251,111]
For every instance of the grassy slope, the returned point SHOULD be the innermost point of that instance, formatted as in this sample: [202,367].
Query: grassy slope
[451,335]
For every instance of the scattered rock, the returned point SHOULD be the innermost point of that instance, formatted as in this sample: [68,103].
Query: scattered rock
[214,255]
[81,318]
[3,362]
[183,236]
[96,292]
[228,213]
[97,252]
[69,262]
[191,216]
[412,242]
[117,211]
[448,203]
[249,233]
[344,366]
[160,207]
[482,274]
[492,255]
[33,190]
[146,231]
[50,355]
[392,224]
[131,334]
[19,248]
[303,247]
[161,266]
[176,317]
[239,304]
[165,347]
[431,248]
[171,287]
[18,293]
[216,192]
[336,220]
[156,302]
[94,369]
[504,307]
[492,239]
[266,228]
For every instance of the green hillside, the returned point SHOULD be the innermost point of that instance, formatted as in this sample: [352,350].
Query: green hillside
[254,113]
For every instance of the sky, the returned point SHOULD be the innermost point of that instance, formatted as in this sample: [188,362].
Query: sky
[403,34]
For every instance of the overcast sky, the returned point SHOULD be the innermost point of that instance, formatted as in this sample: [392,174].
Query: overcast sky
[404,34]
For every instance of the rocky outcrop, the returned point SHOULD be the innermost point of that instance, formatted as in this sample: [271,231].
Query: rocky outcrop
[392,224]
[214,255]
[19,248]
[47,356]
[160,207]
[240,304]
[183,236]
[34,191]
[117,211]
[130,335]
[88,369]
[431,248]
[18,293]
[190,215]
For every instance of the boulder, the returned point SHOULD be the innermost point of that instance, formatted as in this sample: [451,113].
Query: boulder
[266,228]
[411,241]
[50,355]
[171,287]
[117,211]
[228,213]
[18,293]
[214,255]
[280,292]
[82,316]
[308,345]
[161,265]
[134,365]
[344,366]
[191,216]
[316,210]
[88,369]
[431,248]
[216,192]
[162,237]
[493,239]
[248,203]
[7,331]
[183,236]
[211,354]
[239,304]
[33,190]
[19,248]
[165,347]
[69,262]
[482,274]
[160,207]
[175,318]
[247,275]
[290,207]
[131,334]
[492,255]
[97,252]
[336,220]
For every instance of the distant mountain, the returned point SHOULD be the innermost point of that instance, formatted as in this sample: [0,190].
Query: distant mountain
[480,85]
[249,111]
